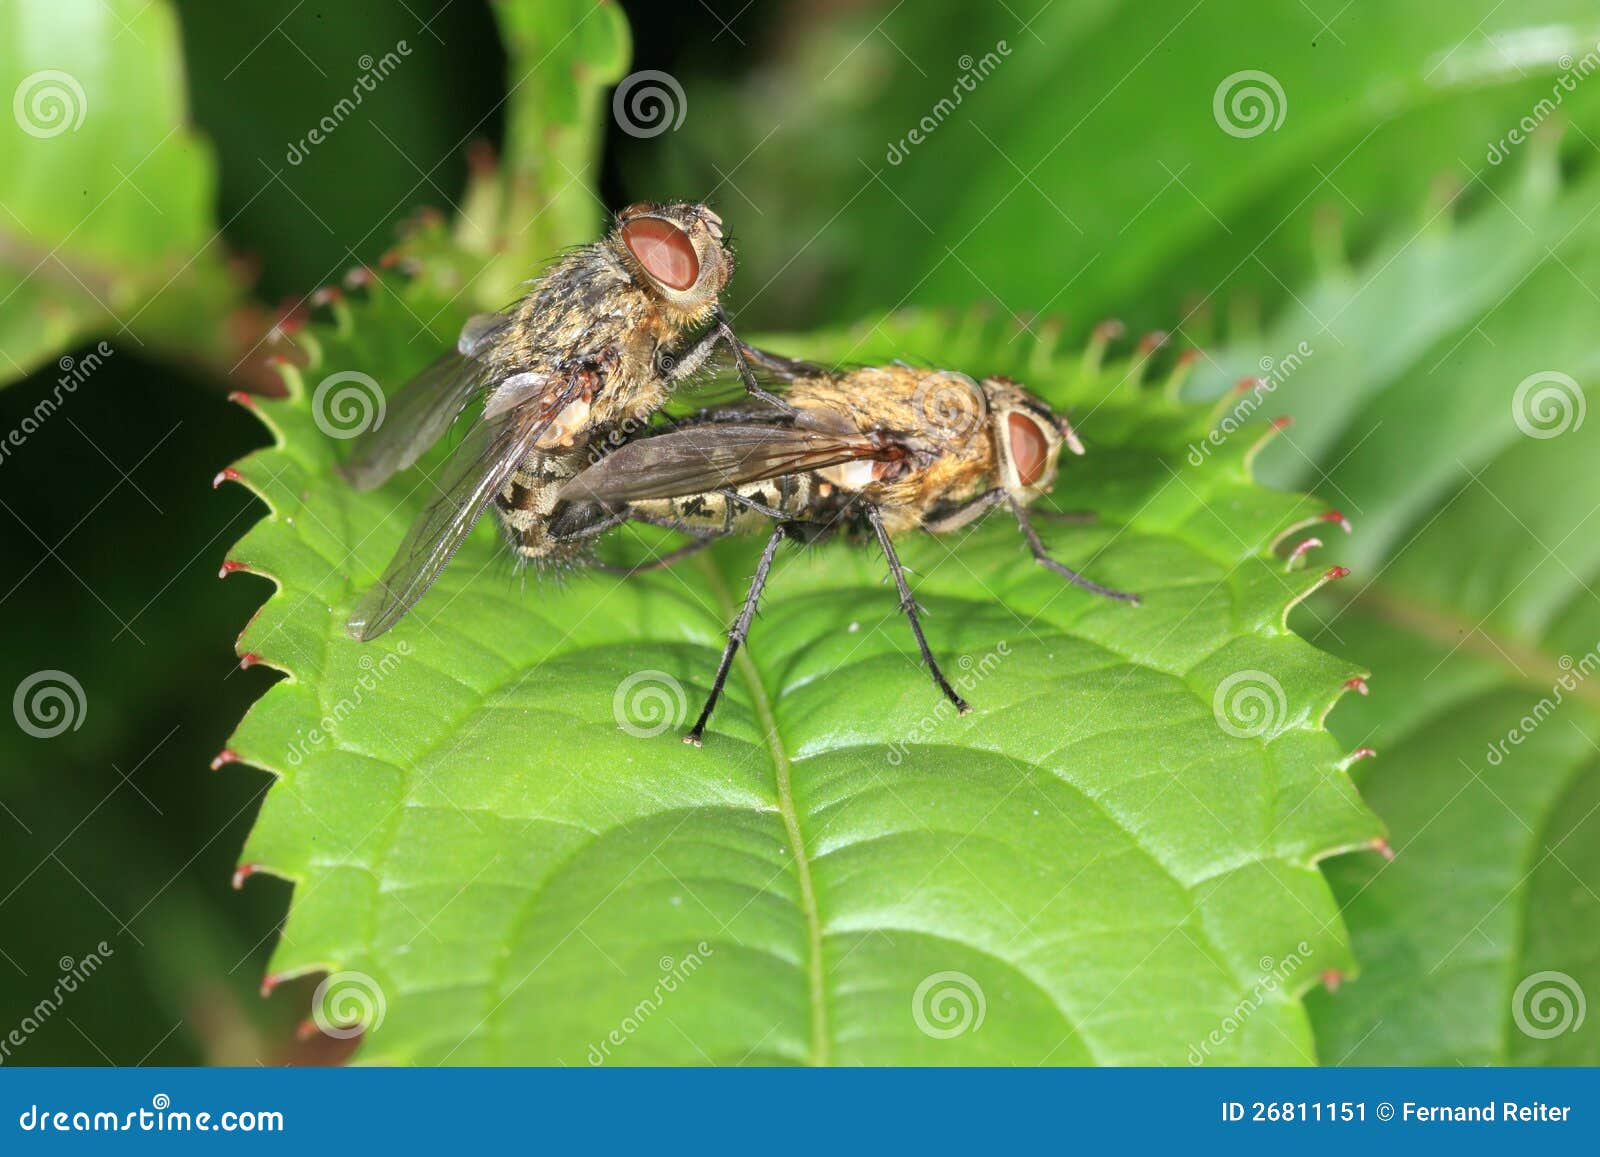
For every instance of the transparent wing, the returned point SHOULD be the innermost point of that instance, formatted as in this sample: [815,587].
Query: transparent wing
[695,459]
[423,409]
[477,471]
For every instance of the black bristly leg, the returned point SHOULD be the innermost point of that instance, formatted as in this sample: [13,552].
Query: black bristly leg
[737,633]
[1042,557]
[908,604]
[751,386]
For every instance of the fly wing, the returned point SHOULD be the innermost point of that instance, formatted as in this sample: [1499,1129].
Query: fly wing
[694,459]
[478,470]
[424,408]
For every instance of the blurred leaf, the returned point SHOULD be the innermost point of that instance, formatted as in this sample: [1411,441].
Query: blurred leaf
[105,195]
[1442,407]
[1073,157]
[1089,856]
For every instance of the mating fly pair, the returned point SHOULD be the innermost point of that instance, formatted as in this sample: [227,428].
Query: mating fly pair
[874,452]
[581,363]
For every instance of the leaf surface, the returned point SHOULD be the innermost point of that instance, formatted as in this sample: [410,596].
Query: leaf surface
[489,817]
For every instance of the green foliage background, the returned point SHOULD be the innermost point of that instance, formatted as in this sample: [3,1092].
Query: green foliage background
[1086,177]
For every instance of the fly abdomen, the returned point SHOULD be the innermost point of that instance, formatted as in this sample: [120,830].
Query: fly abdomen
[716,511]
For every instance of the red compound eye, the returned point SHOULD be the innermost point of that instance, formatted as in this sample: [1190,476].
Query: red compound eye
[664,250]
[1030,450]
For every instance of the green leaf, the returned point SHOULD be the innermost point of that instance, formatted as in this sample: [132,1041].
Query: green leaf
[1473,499]
[1073,157]
[488,827]
[105,194]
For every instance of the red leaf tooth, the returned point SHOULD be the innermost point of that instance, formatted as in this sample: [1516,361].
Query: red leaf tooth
[1358,685]
[1338,517]
[1357,756]
[228,567]
[240,398]
[1331,979]
[1333,572]
[1281,423]
[1301,549]
[326,295]
[226,474]
[224,757]
[359,277]
[242,873]
[269,983]
[1152,341]
[1381,846]
[248,659]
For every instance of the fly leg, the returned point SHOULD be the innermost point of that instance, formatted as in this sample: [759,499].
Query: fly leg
[1042,557]
[737,633]
[908,604]
[682,365]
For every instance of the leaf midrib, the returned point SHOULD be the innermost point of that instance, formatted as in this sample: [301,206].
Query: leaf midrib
[767,720]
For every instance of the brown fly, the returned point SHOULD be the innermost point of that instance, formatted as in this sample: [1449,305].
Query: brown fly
[595,346]
[886,450]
